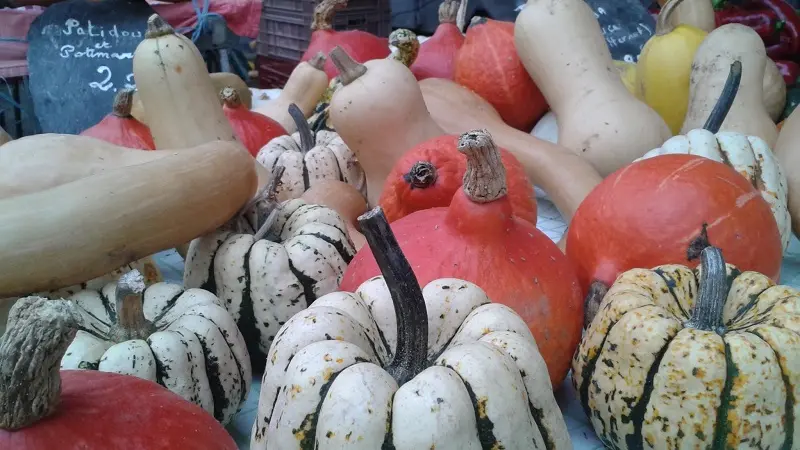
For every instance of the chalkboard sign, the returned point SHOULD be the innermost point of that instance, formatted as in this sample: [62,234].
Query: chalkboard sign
[626,25]
[80,53]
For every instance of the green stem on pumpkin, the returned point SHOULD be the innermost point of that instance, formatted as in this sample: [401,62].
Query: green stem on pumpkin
[306,137]
[409,304]
[726,98]
[712,292]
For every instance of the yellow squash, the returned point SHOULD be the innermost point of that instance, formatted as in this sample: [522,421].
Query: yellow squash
[665,65]
[627,71]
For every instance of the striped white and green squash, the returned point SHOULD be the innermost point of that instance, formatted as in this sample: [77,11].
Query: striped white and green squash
[309,158]
[264,280]
[679,358]
[184,340]
[397,367]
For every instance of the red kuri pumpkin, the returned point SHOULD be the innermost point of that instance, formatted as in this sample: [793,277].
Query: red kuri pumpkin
[665,210]
[479,239]
[428,176]
[42,408]
[120,127]
[436,58]
[360,45]
[488,64]
[253,130]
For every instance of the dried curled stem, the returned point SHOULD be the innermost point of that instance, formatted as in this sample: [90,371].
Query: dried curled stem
[131,323]
[230,97]
[448,11]
[157,27]
[349,69]
[123,103]
[485,178]
[39,332]
[324,12]
[422,175]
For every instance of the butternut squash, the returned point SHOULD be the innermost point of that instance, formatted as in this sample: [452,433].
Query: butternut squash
[304,88]
[787,149]
[774,90]
[723,46]
[695,13]
[598,118]
[72,232]
[380,113]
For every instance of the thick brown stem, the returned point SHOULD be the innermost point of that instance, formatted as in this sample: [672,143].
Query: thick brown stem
[407,46]
[422,174]
[272,208]
[712,291]
[324,12]
[485,178]
[123,102]
[230,97]
[698,244]
[306,137]
[448,11]
[131,323]
[38,334]
[318,61]
[663,23]
[157,27]
[349,69]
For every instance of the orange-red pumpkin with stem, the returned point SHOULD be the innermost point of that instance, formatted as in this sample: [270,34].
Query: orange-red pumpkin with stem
[253,130]
[120,127]
[428,176]
[436,58]
[479,239]
[665,210]
[488,64]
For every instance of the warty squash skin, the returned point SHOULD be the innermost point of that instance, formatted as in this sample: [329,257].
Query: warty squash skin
[598,118]
[44,408]
[184,340]
[380,114]
[478,238]
[92,224]
[723,46]
[409,368]
[703,358]
[787,150]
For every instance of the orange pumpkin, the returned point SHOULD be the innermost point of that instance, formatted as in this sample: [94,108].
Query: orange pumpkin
[478,238]
[120,128]
[430,174]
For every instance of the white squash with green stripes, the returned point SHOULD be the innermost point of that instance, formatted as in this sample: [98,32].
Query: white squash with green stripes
[272,269]
[682,359]
[395,366]
[184,340]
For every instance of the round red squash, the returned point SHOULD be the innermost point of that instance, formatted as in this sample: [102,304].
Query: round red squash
[436,58]
[488,64]
[665,210]
[360,45]
[253,130]
[428,176]
[479,239]
[120,127]
[42,408]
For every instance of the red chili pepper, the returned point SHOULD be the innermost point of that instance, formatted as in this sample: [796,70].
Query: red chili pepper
[791,23]
[790,71]
[766,23]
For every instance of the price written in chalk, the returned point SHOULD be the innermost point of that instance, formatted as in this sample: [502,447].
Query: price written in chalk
[106,84]
[618,36]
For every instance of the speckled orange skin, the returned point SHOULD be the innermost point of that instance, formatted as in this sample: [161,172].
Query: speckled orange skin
[516,264]
[488,64]
[399,199]
[647,213]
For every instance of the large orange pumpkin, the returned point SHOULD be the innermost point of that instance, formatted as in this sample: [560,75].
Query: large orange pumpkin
[428,176]
[479,239]
[665,210]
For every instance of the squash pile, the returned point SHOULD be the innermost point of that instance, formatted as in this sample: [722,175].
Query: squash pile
[367,244]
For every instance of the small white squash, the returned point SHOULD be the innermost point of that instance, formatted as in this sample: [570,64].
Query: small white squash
[274,261]
[309,158]
[184,340]
[396,366]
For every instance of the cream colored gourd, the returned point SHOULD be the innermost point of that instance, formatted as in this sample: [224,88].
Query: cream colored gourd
[723,46]
[696,13]
[94,224]
[380,113]
[598,117]
[305,86]
[774,90]
[787,149]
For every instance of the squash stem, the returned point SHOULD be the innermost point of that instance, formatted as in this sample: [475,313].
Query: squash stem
[422,175]
[409,304]
[230,97]
[131,323]
[485,177]
[349,69]
[157,27]
[318,61]
[123,103]
[712,292]
[726,98]
[663,22]
[448,11]
[39,333]
[270,212]
[407,45]
[324,12]
[307,140]
[461,17]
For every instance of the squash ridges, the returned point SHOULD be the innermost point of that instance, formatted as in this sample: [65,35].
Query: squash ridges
[671,283]
[790,400]
[483,424]
[247,320]
[306,282]
[721,428]
[214,380]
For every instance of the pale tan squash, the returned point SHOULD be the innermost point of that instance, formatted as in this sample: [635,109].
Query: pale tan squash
[304,88]
[4,137]
[774,90]
[82,229]
[221,80]
[380,113]
[697,13]
[718,51]
[598,117]
[787,149]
